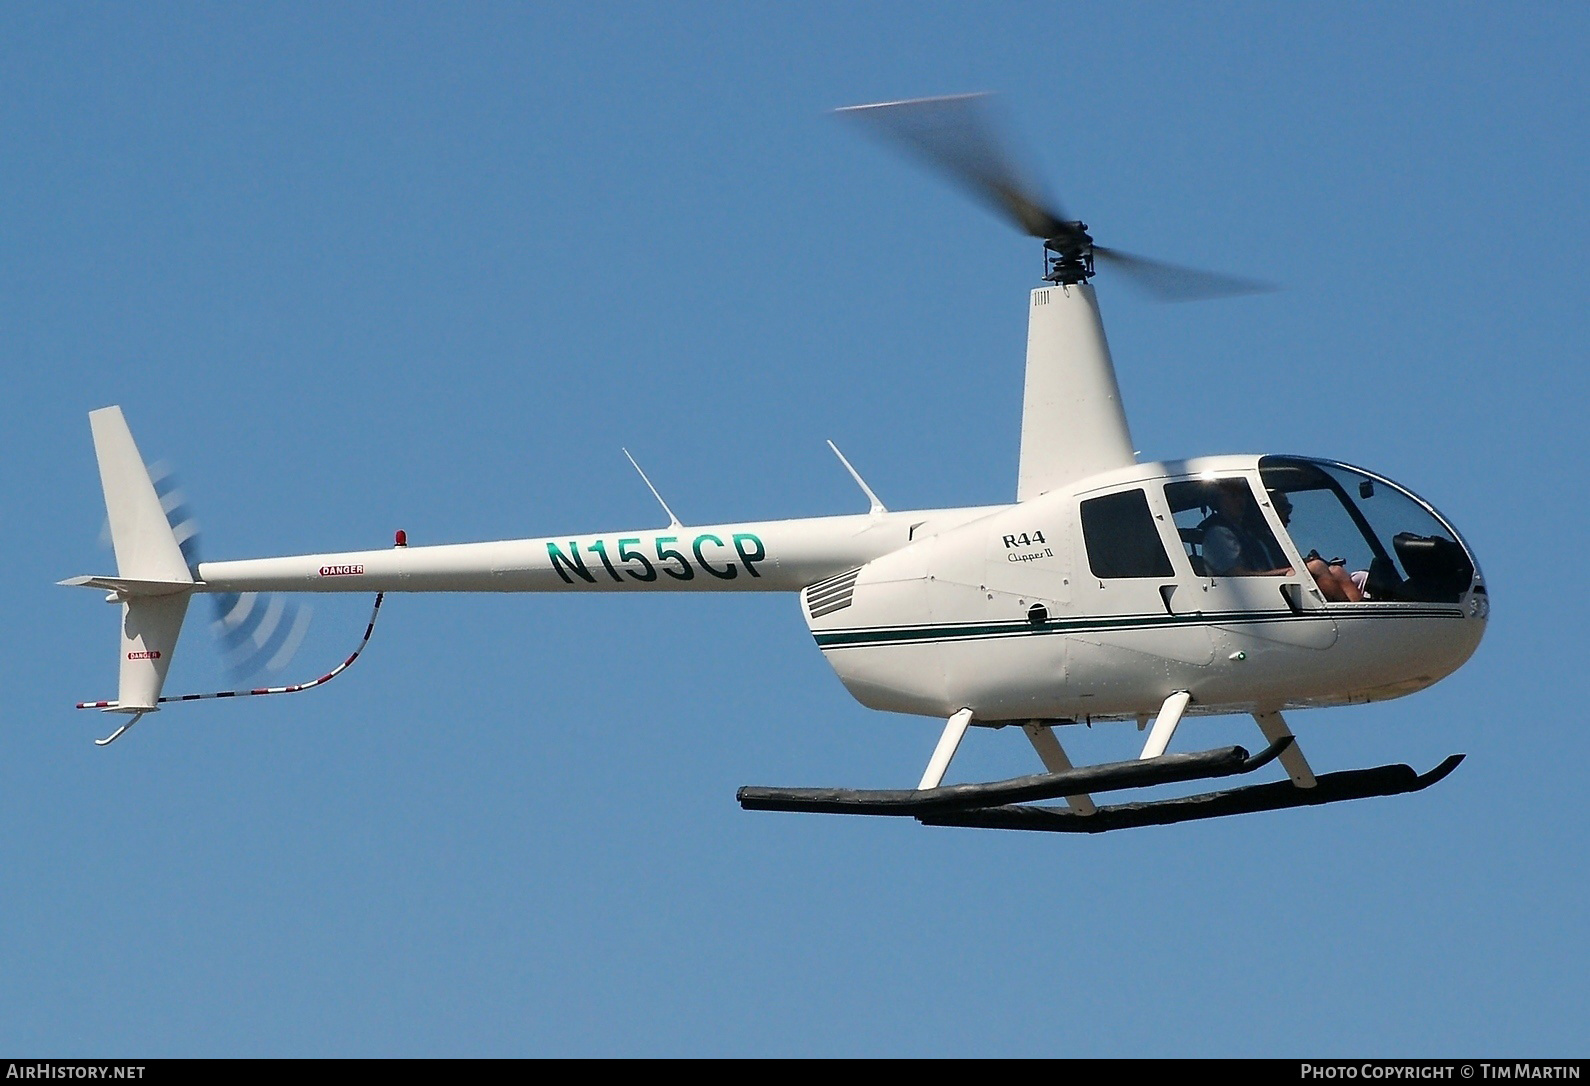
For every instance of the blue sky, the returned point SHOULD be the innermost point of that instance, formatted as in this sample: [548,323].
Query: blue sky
[430,267]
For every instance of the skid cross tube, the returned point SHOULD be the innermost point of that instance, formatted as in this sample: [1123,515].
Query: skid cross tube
[1166,769]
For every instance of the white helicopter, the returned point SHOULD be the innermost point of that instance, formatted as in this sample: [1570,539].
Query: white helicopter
[1111,590]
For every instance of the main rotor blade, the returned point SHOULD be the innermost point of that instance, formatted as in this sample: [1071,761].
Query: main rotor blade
[1175,283]
[957,136]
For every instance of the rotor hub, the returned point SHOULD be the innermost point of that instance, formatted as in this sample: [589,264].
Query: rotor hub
[1068,256]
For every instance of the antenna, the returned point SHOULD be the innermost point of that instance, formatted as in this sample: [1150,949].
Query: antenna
[673,521]
[877,506]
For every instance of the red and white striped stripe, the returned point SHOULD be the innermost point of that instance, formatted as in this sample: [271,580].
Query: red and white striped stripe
[326,678]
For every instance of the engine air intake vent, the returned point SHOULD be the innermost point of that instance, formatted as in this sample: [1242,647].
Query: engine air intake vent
[834,594]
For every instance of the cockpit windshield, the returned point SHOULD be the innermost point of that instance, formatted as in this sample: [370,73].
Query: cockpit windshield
[1391,545]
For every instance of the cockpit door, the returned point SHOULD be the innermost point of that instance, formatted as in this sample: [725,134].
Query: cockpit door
[1246,579]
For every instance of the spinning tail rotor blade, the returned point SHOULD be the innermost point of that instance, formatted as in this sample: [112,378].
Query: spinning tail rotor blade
[258,631]
[174,503]
[957,136]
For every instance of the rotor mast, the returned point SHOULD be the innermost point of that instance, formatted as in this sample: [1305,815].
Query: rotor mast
[1073,423]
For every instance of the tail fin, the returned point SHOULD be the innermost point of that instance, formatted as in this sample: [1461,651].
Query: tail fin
[149,629]
[146,547]
[153,582]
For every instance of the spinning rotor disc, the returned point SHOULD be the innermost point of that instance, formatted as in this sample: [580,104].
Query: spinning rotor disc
[957,136]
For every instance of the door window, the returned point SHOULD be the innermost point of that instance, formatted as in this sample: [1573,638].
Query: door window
[1223,529]
[1121,536]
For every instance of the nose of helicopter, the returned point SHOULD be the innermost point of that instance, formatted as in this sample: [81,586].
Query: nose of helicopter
[1479,603]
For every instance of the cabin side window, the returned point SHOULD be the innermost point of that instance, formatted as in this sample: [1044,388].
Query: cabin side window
[1121,537]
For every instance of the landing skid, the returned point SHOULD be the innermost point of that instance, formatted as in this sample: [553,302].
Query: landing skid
[1385,780]
[996,804]
[926,803]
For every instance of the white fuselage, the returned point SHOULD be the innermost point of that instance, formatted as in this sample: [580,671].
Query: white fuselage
[1028,611]
[930,612]
[950,622]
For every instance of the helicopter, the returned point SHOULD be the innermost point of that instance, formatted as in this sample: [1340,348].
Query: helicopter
[1111,590]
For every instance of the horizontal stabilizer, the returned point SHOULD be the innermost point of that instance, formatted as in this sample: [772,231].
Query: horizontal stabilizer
[131,586]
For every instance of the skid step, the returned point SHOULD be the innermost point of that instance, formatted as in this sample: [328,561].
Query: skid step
[960,798]
[1385,780]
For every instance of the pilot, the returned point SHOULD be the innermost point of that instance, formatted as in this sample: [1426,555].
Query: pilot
[1233,546]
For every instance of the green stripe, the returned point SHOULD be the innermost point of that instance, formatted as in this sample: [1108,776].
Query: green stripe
[892,635]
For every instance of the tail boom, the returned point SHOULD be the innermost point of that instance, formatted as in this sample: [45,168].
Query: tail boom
[759,556]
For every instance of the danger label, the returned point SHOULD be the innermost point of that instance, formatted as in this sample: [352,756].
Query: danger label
[342,571]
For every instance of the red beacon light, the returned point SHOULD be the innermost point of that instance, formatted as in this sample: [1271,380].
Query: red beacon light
[401,539]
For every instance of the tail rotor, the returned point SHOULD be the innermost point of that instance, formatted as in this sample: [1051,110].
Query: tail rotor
[257,632]
[156,540]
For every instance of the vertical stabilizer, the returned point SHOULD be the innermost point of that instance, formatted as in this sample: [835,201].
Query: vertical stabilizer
[1072,424]
[149,629]
[146,548]
[147,554]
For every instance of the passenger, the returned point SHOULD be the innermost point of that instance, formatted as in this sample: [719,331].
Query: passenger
[1331,575]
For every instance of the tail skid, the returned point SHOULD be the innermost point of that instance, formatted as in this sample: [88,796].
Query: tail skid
[115,735]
